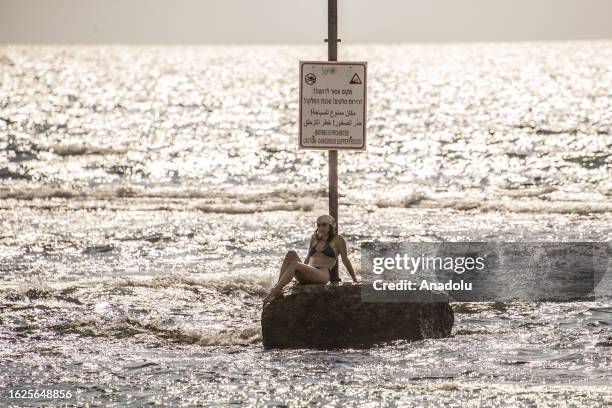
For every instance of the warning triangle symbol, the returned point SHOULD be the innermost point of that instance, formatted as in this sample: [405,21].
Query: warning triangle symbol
[355,79]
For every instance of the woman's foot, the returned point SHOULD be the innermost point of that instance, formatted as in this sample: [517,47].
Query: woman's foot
[272,295]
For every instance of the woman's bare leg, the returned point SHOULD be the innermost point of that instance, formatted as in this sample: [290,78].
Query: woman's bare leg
[307,276]
[306,273]
[291,256]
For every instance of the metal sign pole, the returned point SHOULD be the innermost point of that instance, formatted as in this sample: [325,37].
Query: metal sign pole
[332,52]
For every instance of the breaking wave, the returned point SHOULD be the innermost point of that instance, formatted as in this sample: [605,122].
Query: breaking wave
[129,327]
[77,310]
[522,206]
[221,201]
[80,150]
[251,284]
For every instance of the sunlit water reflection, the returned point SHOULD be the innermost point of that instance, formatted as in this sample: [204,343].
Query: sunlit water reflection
[147,196]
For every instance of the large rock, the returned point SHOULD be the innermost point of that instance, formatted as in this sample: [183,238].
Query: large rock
[334,316]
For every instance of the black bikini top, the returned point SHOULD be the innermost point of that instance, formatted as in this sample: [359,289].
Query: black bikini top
[327,251]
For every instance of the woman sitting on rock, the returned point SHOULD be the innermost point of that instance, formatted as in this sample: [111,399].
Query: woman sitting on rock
[321,263]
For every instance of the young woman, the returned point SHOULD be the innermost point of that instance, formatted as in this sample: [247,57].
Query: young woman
[321,263]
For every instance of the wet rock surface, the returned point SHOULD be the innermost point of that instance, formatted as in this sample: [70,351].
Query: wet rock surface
[334,316]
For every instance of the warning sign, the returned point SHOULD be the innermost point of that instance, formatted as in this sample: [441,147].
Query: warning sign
[333,105]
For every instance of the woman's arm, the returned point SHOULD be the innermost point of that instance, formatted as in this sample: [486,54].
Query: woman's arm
[345,259]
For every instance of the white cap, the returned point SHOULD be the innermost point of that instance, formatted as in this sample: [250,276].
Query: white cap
[327,218]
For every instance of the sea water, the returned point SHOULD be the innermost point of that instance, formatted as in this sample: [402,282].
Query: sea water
[149,194]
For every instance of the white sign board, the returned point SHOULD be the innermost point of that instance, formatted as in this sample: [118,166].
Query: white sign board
[333,105]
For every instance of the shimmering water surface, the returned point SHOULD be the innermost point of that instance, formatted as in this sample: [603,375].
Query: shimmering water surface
[147,196]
